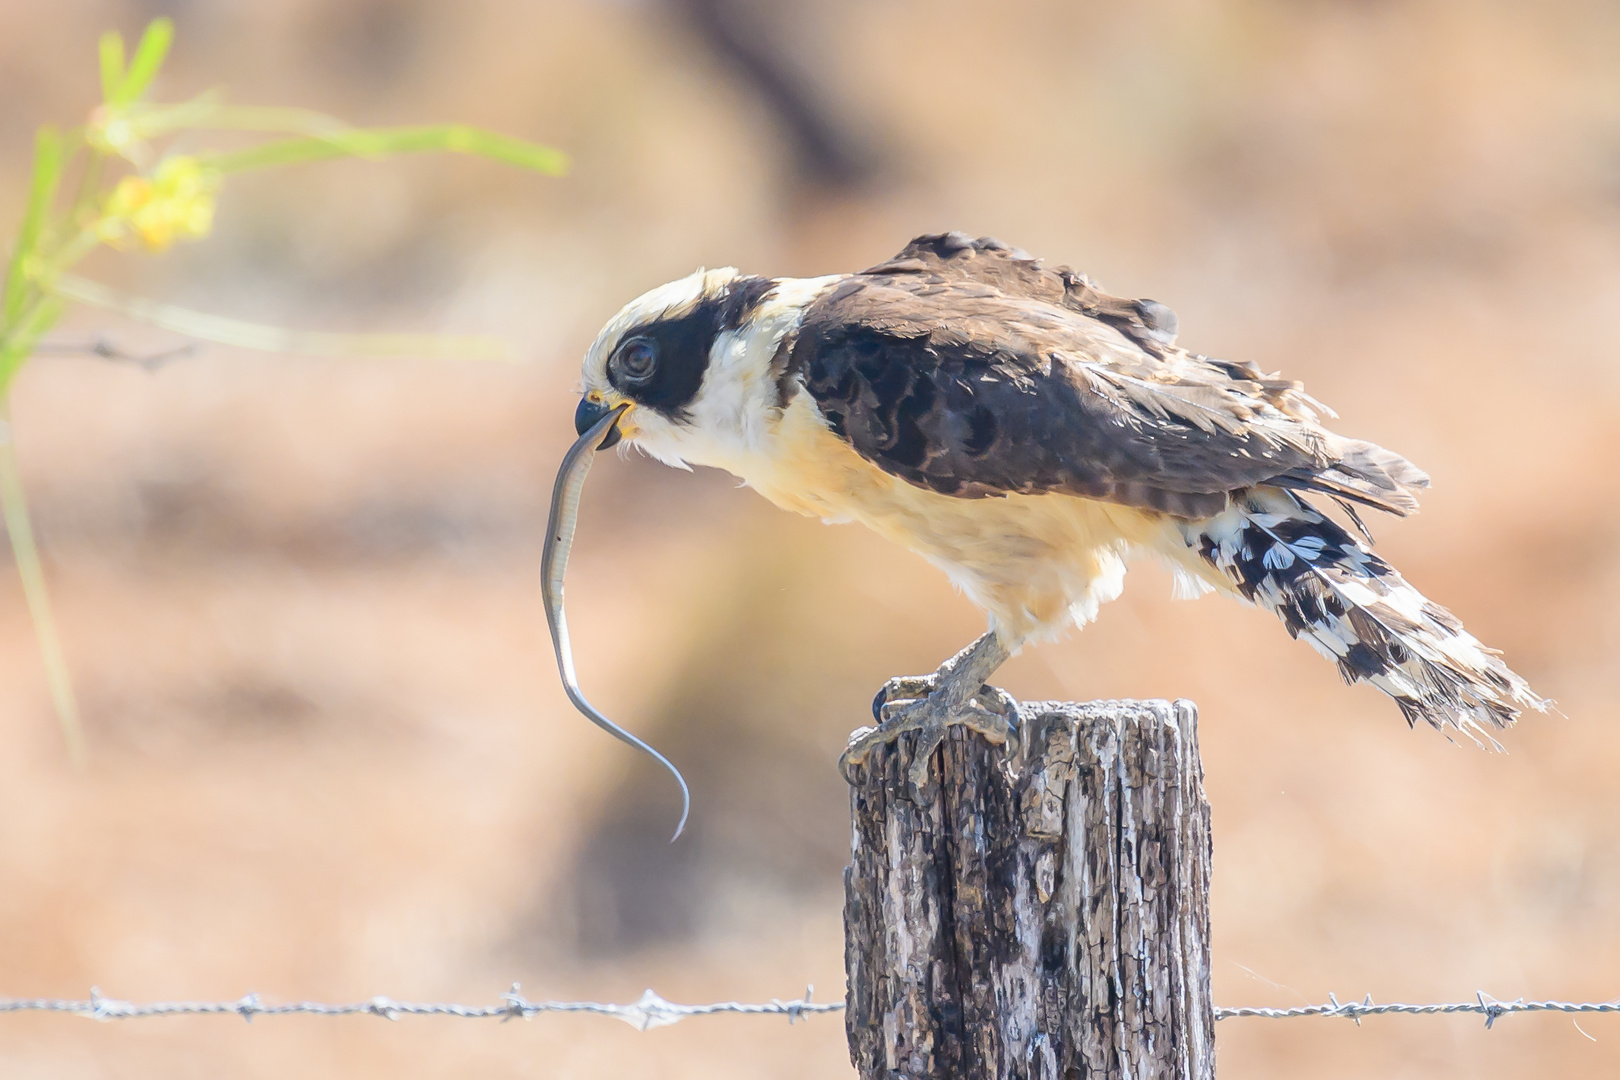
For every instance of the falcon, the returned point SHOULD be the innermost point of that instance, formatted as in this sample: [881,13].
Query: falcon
[1030,435]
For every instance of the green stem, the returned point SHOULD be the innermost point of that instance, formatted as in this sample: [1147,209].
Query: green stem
[47,171]
[32,573]
[249,335]
[39,309]
[17,343]
[382,142]
[82,244]
[84,201]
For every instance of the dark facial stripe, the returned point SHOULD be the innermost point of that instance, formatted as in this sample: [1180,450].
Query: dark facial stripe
[683,344]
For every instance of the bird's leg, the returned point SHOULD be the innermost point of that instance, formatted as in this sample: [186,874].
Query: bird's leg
[983,652]
[928,704]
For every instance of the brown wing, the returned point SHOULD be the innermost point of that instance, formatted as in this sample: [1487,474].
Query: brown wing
[968,368]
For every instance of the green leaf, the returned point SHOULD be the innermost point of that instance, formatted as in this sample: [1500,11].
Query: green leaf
[382,142]
[112,64]
[26,554]
[42,190]
[149,57]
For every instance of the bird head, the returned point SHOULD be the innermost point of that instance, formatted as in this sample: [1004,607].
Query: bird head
[696,363]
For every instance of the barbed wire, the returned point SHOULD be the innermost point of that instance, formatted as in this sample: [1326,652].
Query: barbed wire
[1484,1004]
[652,1011]
[645,1013]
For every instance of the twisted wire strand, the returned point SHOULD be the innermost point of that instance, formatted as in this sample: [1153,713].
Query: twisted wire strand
[652,1011]
[1483,1004]
[647,1012]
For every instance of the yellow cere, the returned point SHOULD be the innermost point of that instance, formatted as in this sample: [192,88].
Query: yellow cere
[626,428]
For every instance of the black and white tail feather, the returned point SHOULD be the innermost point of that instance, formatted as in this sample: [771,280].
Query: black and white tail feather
[1354,608]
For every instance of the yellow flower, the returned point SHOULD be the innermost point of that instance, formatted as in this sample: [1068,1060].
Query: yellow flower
[175,203]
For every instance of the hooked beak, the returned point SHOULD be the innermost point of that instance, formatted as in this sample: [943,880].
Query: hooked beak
[587,415]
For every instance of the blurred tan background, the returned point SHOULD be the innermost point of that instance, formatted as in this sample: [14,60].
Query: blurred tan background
[330,756]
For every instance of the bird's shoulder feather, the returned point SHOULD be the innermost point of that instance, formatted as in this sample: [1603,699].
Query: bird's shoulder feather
[967,367]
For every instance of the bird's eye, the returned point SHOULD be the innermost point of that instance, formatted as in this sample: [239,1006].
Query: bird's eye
[636,359]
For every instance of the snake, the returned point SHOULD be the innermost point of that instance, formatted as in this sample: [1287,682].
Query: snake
[565,499]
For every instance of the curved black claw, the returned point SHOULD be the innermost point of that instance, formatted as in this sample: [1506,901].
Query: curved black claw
[902,688]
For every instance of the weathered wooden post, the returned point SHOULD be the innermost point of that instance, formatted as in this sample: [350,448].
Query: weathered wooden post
[1048,923]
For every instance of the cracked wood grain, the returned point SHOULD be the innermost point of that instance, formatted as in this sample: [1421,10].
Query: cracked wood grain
[1045,921]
